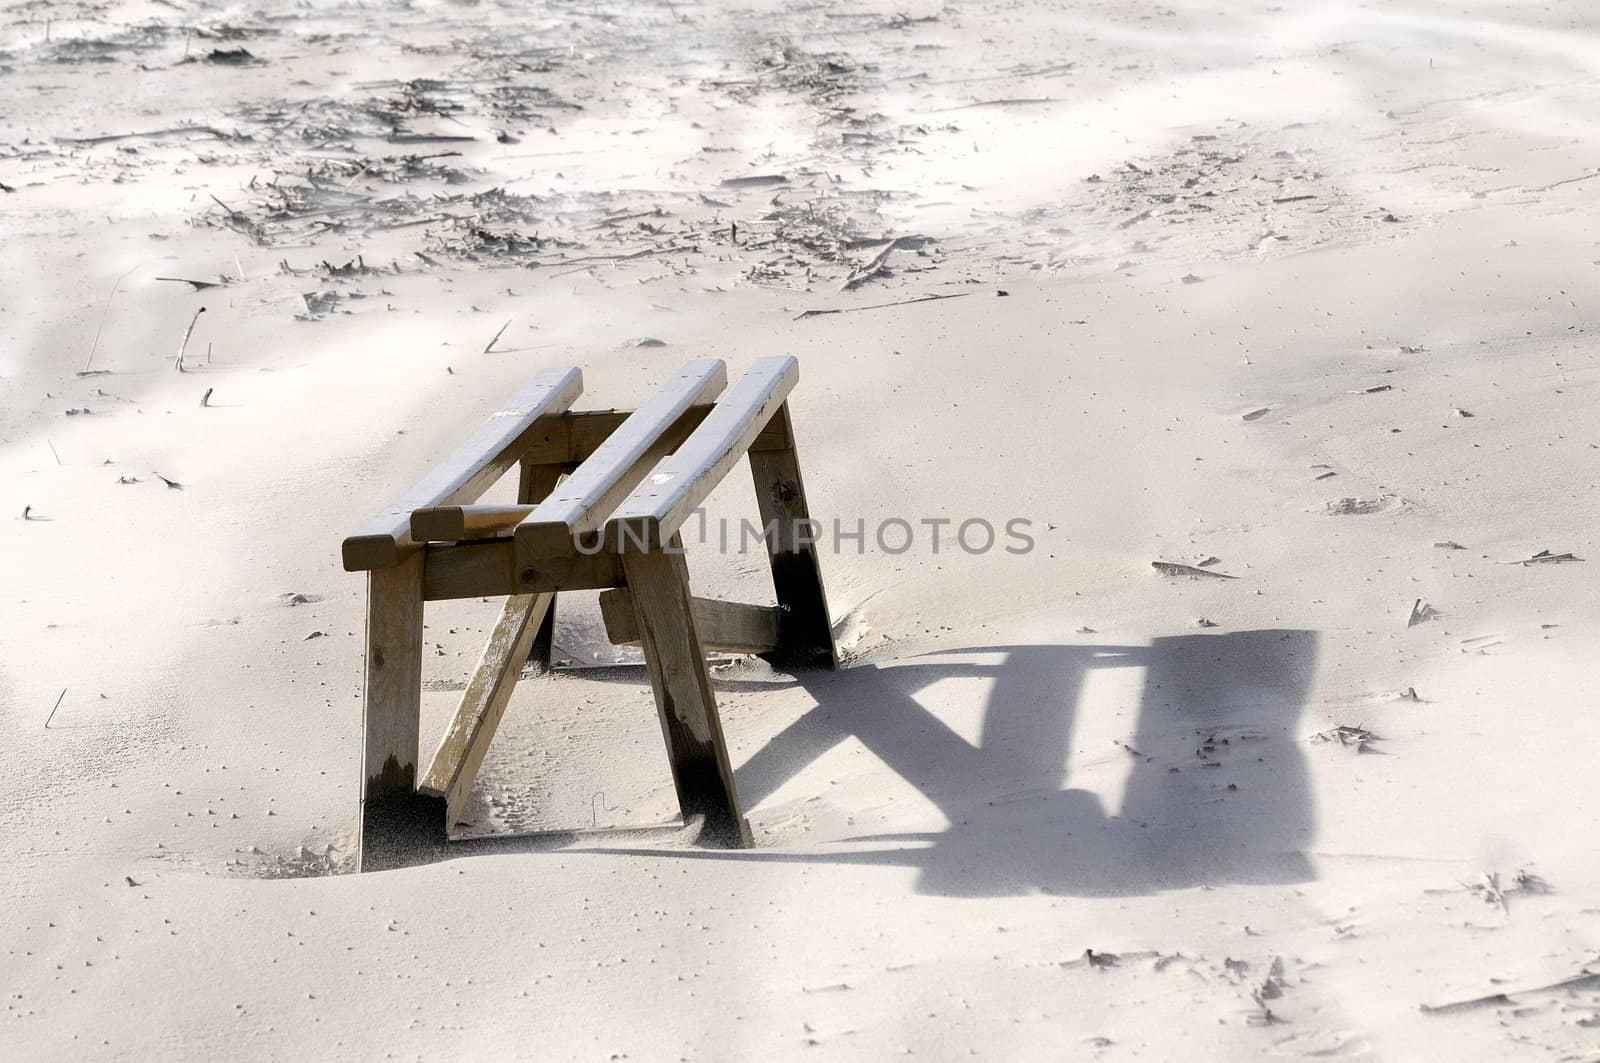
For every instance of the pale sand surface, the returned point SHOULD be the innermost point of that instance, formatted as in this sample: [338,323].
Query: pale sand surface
[1045,813]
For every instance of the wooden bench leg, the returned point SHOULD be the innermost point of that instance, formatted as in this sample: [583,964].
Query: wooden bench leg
[805,631]
[534,485]
[701,771]
[395,820]
[460,755]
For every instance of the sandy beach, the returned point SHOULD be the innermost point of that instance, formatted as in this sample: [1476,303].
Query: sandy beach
[1297,294]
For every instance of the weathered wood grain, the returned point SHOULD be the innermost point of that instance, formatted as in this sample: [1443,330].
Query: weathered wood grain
[727,627]
[466,473]
[534,484]
[585,499]
[570,438]
[393,698]
[696,749]
[489,569]
[450,524]
[657,509]
[391,710]
[805,627]
[460,754]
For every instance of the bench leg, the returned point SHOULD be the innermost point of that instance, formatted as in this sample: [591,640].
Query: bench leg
[542,649]
[466,741]
[395,820]
[534,485]
[701,771]
[805,631]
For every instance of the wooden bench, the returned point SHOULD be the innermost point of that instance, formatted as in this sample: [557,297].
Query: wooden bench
[601,498]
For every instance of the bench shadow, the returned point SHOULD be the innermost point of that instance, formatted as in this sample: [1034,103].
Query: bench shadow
[1217,795]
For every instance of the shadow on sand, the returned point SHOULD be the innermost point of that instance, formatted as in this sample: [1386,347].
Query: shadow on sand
[1218,794]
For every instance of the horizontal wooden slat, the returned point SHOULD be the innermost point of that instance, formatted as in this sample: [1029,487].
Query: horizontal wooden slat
[460,754]
[582,502]
[469,471]
[572,437]
[490,569]
[653,513]
[450,524]
[728,627]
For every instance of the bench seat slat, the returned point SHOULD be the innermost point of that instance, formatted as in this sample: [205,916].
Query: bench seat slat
[466,473]
[659,506]
[583,501]
[451,524]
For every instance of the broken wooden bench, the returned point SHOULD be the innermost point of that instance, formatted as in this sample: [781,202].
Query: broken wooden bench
[601,498]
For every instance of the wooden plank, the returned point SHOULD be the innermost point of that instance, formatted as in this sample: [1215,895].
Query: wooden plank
[701,770]
[468,472]
[805,629]
[393,694]
[450,524]
[489,569]
[653,513]
[534,484]
[583,501]
[572,437]
[391,715]
[536,481]
[727,627]
[460,754]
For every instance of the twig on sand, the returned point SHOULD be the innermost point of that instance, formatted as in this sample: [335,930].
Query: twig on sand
[861,274]
[880,306]
[1348,735]
[205,400]
[1488,887]
[172,485]
[198,285]
[427,138]
[53,451]
[490,345]
[1170,568]
[174,131]
[1015,101]
[178,362]
[1421,613]
[106,310]
[1545,557]
[669,249]
[53,708]
[761,180]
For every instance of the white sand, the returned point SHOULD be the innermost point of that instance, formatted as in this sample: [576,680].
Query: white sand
[1030,756]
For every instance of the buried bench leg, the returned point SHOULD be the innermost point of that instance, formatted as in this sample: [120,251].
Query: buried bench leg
[659,583]
[534,485]
[395,820]
[805,632]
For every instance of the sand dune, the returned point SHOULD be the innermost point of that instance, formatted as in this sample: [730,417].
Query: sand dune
[1297,293]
